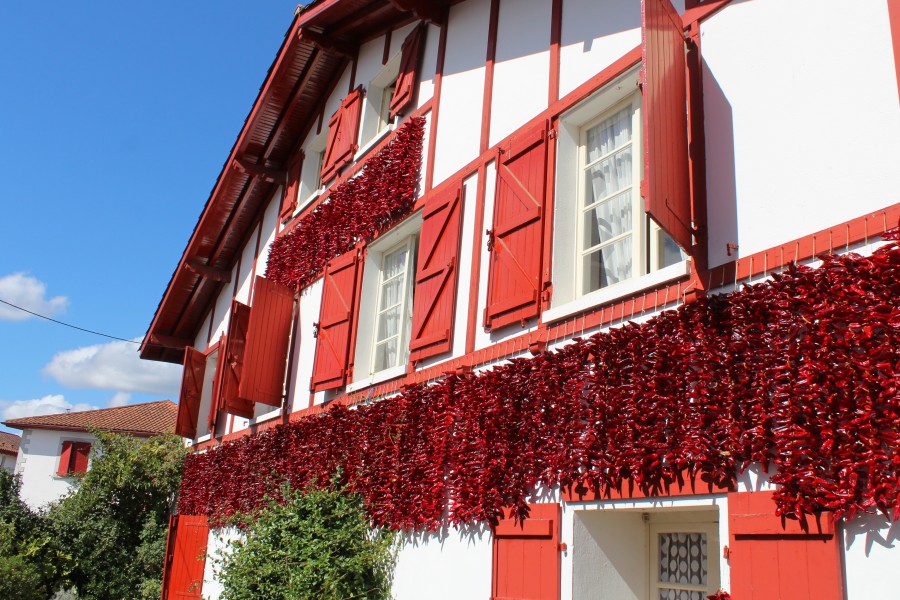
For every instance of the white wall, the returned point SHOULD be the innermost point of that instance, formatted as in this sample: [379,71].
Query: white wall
[216,550]
[8,462]
[38,462]
[871,555]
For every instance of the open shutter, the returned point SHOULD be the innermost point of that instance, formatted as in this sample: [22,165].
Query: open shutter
[526,556]
[65,459]
[291,188]
[231,363]
[516,240]
[268,337]
[186,558]
[216,404]
[436,275]
[410,57]
[336,322]
[666,185]
[343,131]
[81,454]
[191,389]
[770,559]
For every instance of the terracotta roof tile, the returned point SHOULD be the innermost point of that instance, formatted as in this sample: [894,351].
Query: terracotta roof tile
[9,443]
[148,419]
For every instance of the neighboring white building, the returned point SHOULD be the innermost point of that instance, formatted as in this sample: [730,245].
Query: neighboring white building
[56,449]
[585,164]
[9,449]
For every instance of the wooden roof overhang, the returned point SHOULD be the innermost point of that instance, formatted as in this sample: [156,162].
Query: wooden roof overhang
[320,42]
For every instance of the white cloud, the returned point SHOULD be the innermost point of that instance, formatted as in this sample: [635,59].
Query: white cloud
[29,293]
[119,399]
[48,405]
[114,366]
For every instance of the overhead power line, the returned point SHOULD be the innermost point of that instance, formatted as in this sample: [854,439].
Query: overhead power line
[112,337]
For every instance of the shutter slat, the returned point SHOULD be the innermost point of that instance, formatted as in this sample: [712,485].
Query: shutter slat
[666,186]
[514,279]
[231,362]
[191,389]
[336,322]
[268,339]
[434,298]
[410,58]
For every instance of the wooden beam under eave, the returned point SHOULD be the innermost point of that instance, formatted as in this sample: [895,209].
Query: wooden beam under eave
[262,172]
[323,42]
[168,341]
[423,9]
[207,272]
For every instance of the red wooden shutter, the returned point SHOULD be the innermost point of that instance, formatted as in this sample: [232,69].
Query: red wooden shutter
[268,338]
[186,558]
[666,186]
[81,454]
[770,560]
[65,459]
[291,188]
[410,57]
[216,404]
[516,240]
[336,322]
[231,363]
[434,298]
[191,389]
[343,131]
[526,556]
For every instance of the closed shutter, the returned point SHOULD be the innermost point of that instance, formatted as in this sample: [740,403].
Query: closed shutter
[666,185]
[81,454]
[410,57]
[231,363]
[526,556]
[343,131]
[191,390]
[65,459]
[436,276]
[186,558]
[771,560]
[516,239]
[291,188]
[336,322]
[268,337]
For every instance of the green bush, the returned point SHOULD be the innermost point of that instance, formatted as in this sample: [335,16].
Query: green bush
[316,545]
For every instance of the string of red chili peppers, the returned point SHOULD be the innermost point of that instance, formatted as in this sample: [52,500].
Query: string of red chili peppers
[356,210]
[800,372]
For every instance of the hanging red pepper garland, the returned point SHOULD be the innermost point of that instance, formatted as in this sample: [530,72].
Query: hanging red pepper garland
[799,372]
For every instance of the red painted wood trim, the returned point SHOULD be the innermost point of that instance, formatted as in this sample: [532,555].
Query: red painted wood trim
[697,148]
[435,107]
[386,53]
[489,75]
[691,487]
[477,244]
[555,37]
[549,201]
[255,260]
[295,335]
[894,16]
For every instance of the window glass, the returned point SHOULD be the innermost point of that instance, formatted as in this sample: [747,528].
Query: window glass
[394,315]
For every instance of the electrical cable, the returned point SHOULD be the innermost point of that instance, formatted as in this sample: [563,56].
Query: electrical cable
[112,337]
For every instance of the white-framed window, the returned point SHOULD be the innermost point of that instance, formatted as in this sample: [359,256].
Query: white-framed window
[376,121]
[604,243]
[683,560]
[206,395]
[311,171]
[386,305]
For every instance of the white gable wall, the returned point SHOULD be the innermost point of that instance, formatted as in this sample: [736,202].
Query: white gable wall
[38,462]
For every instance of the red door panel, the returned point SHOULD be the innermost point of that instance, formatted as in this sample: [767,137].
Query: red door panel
[526,556]
[185,558]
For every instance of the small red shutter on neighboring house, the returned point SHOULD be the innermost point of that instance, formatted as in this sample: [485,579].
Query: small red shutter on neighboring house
[526,556]
[336,322]
[516,240]
[343,131]
[187,543]
[65,459]
[436,275]
[770,560]
[410,57]
[231,362]
[291,188]
[268,337]
[191,389]
[81,454]
[666,185]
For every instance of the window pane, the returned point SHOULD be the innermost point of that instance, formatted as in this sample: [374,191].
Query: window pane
[609,135]
[608,176]
[386,355]
[388,323]
[682,558]
[607,220]
[394,263]
[669,252]
[681,595]
[608,265]
[391,293]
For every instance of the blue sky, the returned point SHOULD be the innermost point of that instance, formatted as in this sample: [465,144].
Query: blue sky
[115,120]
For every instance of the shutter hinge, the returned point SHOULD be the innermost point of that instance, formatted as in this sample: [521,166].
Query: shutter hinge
[315,330]
[552,134]
[490,240]
[547,293]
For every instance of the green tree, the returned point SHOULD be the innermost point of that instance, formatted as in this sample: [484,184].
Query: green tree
[114,524]
[316,545]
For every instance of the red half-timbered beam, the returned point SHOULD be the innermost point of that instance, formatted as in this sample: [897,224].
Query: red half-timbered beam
[328,44]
